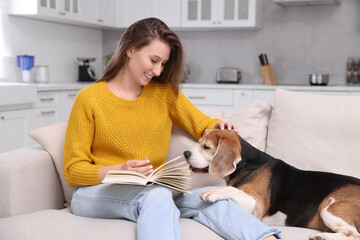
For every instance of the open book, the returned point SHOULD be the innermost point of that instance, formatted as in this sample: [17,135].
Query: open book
[173,174]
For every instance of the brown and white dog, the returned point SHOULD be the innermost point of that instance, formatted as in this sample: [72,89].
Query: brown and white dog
[263,186]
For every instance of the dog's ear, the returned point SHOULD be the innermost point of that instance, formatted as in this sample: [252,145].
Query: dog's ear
[225,160]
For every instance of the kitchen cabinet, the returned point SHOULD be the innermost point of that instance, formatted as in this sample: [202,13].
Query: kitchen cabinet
[14,126]
[99,12]
[210,98]
[242,98]
[130,11]
[58,10]
[92,13]
[221,13]
[67,100]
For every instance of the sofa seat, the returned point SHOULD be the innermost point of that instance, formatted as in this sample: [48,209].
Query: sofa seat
[62,225]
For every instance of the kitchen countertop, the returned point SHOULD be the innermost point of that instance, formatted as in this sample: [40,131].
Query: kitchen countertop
[80,85]
[272,87]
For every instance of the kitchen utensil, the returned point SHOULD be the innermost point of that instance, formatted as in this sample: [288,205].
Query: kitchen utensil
[319,79]
[41,74]
[25,62]
[228,75]
[87,73]
[266,70]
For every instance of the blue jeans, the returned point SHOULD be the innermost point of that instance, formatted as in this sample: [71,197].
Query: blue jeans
[157,214]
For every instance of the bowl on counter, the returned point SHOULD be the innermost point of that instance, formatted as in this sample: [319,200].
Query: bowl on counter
[319,79]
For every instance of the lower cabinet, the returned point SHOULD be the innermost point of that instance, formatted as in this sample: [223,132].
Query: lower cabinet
[13,128]
[51,107]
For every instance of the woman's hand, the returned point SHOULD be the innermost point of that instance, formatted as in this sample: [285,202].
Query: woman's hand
[137,166]
[130,165]
[225,125]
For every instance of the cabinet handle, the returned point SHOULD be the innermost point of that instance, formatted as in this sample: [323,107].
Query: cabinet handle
[62,13]
[197,97]
[46,99]
[72,94]
[100,20]
[48,112]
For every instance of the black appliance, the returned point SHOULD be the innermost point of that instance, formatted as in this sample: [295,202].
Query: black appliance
[86,72]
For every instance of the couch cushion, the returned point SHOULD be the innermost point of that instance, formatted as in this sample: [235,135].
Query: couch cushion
[63,225]
[316,132]
[52,139]
[252,123]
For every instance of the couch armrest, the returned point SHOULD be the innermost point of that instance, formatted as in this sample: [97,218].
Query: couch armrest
[29,182]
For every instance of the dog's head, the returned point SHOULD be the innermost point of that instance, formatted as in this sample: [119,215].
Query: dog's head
[218,153]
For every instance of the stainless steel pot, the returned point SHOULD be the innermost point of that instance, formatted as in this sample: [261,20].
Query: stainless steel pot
[319,79]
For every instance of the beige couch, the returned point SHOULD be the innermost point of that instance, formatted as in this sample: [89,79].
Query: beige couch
[308,131]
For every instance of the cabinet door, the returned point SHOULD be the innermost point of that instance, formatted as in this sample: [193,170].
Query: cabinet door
[242,98]
[131,11]
[266,95]
[69,9]
[13,129]
[198,13]
[168,11]
[106,12]
[238,13]
[67,99]
[46,7]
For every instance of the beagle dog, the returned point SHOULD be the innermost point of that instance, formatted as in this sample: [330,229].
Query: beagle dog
[264,186]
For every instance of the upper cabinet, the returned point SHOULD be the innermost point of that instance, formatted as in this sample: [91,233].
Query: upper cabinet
[93,13]
[130,11]
[221,13]
[180,14]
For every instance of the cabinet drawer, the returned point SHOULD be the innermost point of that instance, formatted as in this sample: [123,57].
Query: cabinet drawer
[209,96]
[45,99]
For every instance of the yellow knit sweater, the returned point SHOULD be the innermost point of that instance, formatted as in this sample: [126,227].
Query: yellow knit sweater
[105,130]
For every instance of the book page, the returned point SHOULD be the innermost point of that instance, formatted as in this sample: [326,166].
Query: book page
[125,177]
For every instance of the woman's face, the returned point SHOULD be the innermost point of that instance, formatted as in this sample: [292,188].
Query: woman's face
[147,62]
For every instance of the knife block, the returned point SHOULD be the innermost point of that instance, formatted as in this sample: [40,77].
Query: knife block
[267,74]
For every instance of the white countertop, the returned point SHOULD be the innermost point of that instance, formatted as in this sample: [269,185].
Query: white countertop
[272,87]
[80,85]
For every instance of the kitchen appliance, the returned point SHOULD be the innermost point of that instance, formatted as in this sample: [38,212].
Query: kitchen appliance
[228,75]
[25,62]
[87,73]
[319,79]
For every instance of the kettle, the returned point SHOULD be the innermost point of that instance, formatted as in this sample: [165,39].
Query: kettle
[87,73]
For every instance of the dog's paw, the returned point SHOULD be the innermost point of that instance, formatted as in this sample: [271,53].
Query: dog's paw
[316,237]
[212,195]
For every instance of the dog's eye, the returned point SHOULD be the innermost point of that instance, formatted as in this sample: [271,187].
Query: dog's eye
[206,147]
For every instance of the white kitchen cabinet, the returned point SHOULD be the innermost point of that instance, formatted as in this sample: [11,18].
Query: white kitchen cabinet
[266,95]
[67,100]
[242,98]
[106,12]
[221,13]
[14,126]
[210,98]
[92,13]
[130,11]
[56,10]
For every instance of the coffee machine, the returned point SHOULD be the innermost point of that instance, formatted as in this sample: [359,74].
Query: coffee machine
[86,72]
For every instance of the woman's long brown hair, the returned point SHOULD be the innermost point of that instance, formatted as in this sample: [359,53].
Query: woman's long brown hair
[139,35]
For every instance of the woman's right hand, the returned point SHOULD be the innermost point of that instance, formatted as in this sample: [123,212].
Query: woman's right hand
[130,165]
[137,166]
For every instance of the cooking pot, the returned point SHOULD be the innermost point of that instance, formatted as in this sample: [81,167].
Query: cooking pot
[319,79]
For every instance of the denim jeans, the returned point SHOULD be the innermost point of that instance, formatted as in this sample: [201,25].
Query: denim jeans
[157,214]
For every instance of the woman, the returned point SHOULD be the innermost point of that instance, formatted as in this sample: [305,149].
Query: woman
[124,121]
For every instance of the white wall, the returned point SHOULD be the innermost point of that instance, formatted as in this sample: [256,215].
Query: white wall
[52,44]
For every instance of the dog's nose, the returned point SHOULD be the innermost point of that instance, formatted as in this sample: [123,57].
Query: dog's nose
[187,154]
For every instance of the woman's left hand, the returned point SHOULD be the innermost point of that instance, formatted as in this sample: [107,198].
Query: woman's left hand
[225,125]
